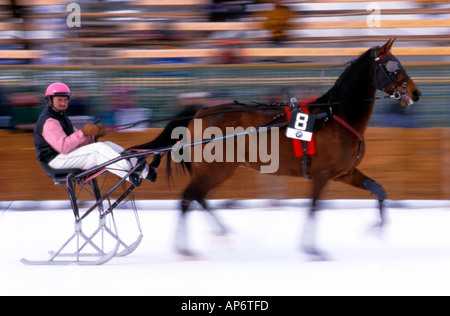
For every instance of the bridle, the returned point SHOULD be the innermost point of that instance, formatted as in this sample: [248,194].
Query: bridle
[387,69]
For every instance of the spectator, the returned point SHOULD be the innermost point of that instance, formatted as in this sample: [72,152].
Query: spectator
[278,22]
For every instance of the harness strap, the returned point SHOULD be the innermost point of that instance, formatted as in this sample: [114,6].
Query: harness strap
[349,127]
[382,56]
[357,134]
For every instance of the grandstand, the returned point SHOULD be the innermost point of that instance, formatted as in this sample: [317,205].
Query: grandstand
[113,30]
[161,49]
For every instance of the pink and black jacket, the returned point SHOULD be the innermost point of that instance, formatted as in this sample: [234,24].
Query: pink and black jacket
[54,134]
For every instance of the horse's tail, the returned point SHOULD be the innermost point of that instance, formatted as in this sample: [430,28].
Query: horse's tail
[165,139]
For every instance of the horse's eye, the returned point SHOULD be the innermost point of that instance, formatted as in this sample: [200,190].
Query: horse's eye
[392,66]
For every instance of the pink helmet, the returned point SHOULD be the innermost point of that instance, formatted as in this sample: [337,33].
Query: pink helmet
[58,88]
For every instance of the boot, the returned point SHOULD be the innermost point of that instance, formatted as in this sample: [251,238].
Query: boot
[153,168]
[135,178]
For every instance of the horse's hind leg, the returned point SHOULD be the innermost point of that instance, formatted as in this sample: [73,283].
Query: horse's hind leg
[201,184]
[197,190]
[220,227]
[358,179]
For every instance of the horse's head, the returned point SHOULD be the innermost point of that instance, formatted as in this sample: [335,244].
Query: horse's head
[391,77]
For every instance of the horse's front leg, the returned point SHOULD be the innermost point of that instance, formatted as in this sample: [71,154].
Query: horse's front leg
[308,240]
[358,179]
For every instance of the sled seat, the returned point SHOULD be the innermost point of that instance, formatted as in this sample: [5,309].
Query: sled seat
[58,175]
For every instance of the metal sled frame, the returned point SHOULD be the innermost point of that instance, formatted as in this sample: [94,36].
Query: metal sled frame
[103,243]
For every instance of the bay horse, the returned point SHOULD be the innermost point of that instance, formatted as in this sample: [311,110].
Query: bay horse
[344,113]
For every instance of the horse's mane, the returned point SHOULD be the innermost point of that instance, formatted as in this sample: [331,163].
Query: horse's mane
[354,68]
[354,90]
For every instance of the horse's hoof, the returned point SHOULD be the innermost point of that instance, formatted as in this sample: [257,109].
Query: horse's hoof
[222,238]
[314,254]
[377,229]
[188,255]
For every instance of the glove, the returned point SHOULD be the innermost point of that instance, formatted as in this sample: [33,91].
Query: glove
[98,130]
[101,130]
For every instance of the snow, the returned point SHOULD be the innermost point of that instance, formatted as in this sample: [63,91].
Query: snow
[260,256]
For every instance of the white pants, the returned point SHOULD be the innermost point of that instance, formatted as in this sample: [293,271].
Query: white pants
[92,155]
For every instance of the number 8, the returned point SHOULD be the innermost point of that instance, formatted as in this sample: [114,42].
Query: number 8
[301,121]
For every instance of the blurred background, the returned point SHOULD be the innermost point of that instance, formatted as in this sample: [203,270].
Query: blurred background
[127,61]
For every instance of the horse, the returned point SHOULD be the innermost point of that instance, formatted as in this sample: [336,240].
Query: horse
[342,116]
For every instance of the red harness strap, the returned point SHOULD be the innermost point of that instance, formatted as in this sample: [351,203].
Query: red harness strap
[349,127]
[357,134]
[298,143]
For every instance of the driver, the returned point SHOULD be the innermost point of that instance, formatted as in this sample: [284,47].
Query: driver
[61,146]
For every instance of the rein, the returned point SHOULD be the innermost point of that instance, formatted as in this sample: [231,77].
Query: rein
[257,107]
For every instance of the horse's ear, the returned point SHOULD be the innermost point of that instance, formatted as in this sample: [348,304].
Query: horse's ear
[386,47]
